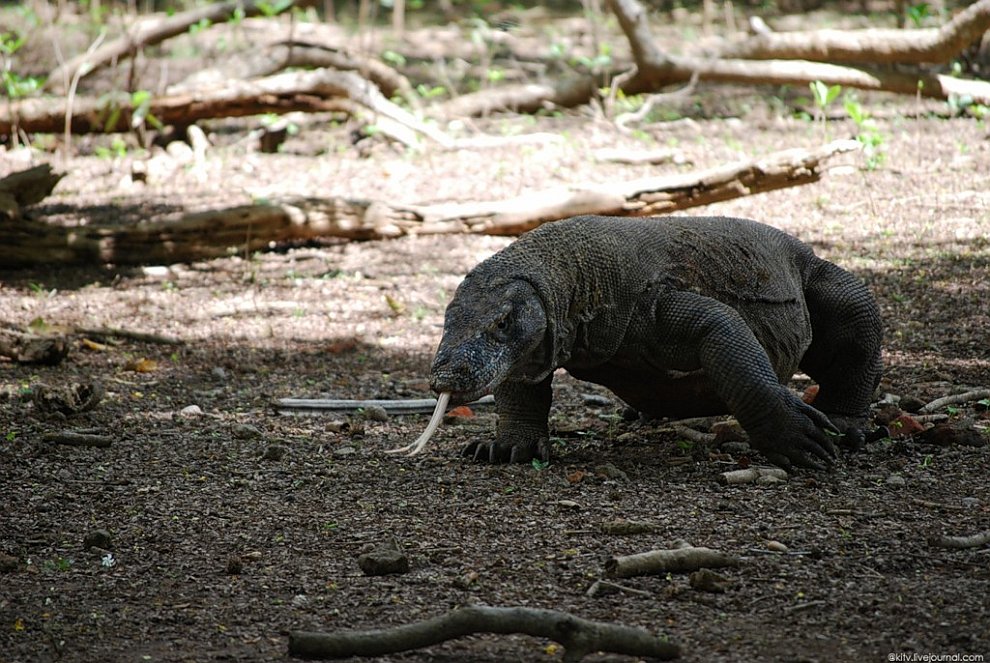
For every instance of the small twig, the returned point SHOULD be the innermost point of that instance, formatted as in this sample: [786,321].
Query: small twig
[961,542]
[693,435]
[663,561]
[578,636]
[954,399]
[114,332]
[929,418]
[604,586]
[622,120]
[803,606]
[937,505]
[79,439]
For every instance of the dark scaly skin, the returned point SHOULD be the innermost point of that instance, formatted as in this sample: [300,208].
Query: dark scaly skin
[678,316]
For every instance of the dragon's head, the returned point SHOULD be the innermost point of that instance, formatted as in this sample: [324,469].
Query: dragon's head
[492,330]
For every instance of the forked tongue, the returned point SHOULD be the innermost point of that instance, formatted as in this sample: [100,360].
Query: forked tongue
[431,428]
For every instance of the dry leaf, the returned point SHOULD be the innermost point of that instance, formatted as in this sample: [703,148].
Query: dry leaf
[142,365]
[93,345]
[394,304]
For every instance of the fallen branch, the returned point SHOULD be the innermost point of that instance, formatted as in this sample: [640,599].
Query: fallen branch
[248,228]
[579,637]
[79,439]
[395,407]
[931,45]
[656,69]
[115,332]
[752,475]
[316,90]
[962,542]
[526,98]
[955,399]
[674,560]
[149,33]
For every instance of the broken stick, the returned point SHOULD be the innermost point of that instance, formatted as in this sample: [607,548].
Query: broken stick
[578,636]
[955,399]
[657,562]
[961,542]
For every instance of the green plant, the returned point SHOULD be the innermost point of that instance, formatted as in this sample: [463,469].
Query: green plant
[11,435]
[823,96]
[275,8]
[918,13]
[869,135]
[118,149]
[540,465]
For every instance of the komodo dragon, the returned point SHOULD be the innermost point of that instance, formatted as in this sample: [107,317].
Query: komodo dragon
[678,316]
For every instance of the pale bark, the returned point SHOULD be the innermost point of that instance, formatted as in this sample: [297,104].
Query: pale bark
[656,68]
[875,46]
[579,637]
[147,33]
[248,228]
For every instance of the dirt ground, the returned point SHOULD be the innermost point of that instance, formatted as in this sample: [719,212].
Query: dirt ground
[232,525]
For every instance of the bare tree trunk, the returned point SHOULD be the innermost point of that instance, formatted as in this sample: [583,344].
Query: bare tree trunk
[656,69]
[144,34]
[249,228]
[872,46]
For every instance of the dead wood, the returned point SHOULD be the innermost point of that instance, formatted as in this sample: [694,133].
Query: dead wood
[147,33]
[337,405]
[275,57]
[955,399]
[317,90]
[526,98]
[693,435]
[247,228]
[116,332]
[73,439]
[27,348]
[934,45]
[26,187]
[674,560]
[656,69]
[579,637]
[962,542]
[751,475]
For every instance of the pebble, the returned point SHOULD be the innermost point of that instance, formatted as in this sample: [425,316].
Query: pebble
[568,504]
[8,563]
[383,561]
[896,480]
[706,580]
[98,538]
[777,546]
[274,452]
[736,448]
[375,413]
[610,471]
[336,426]
[219,373]
[191,411]
[971,502]
[911,403]
[235,565]
[596,400]
[344,451]
[245,432]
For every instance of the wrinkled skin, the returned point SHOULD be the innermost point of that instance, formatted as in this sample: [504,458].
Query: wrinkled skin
[678,317]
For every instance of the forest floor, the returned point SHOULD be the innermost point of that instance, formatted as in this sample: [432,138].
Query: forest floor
[232,525]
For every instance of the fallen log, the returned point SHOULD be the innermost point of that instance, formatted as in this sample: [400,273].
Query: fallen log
[248,228]
[875,46]
[312,91]
[963,542]
[656,68]
[151,32]
[579,637]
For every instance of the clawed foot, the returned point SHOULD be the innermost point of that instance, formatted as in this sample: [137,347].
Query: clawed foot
[511,451]
[797,435]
